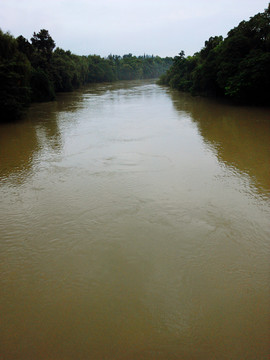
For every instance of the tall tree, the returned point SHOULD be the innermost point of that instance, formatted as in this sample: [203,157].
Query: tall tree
[43,42]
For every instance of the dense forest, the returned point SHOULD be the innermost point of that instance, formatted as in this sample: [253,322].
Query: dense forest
[35,71]
[237,67]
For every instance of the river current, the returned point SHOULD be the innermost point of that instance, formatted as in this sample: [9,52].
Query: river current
[135,224]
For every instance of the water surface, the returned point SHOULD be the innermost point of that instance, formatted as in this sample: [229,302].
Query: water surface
[134,224]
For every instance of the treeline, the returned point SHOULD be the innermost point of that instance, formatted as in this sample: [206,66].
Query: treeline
[237,67]
[35,71]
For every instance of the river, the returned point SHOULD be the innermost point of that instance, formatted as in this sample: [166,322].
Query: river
[134,224]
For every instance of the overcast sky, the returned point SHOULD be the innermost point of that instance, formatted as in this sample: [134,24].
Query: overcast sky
[103,27]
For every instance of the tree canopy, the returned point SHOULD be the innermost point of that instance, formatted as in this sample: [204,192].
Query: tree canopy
[237,67]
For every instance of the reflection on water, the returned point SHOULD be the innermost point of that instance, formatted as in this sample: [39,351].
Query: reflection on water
[238,135]
[134,224]
[20,143]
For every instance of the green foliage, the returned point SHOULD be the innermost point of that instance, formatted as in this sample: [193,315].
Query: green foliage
[237,67]
[14,79]
[68,71]
[100,70]
[35,71]
[251,83]
[41,86]
[130,67]
[43,43]
[24,46]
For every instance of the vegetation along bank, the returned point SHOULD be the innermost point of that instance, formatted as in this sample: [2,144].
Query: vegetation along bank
[35,71]
[237,67]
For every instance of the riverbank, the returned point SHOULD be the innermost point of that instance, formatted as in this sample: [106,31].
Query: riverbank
[35,71]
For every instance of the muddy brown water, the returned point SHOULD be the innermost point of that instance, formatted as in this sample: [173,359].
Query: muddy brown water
[134,224]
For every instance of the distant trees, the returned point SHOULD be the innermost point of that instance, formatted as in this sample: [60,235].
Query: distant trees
[68,71]
[36,70]
[237,67]
[131,67]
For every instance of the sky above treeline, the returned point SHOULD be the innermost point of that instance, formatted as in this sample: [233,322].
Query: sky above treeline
[103,27]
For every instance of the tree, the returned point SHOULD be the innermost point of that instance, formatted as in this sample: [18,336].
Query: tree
[43,43]
[24,46]
[14,79]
